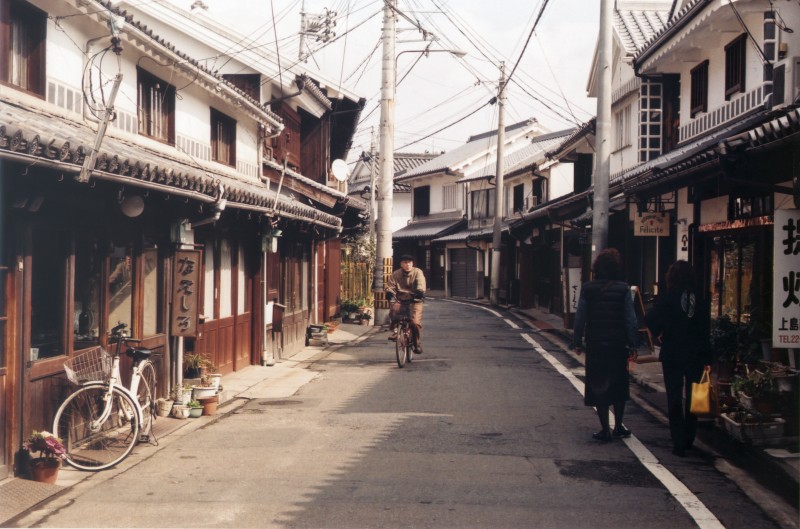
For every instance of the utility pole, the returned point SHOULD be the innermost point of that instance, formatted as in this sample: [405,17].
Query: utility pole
[602,165]
[108,113]
[372,192]
[499,191]
[383,243]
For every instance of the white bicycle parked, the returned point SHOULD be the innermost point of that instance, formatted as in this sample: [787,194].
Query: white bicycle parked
[100,423]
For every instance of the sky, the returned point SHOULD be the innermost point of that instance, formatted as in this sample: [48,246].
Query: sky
[549,83]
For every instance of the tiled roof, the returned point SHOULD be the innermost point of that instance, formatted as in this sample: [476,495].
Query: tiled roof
[481,143]
[587,129]
[522,158]
[427,229]
[39,137]
[134,26]
[682,17]
[637,26]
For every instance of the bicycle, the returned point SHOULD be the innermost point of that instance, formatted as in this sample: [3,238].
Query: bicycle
[100,423]
[404,344]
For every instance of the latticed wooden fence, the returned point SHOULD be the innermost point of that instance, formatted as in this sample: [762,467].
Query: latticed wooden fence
[356,282]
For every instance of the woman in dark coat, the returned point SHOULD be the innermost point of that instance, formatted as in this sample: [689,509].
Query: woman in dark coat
[607,321]
[681,319]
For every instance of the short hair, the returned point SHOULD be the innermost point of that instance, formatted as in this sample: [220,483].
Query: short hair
[680,277]
[608,265]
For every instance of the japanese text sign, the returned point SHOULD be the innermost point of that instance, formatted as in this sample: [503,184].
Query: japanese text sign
[786,279]
[185,292]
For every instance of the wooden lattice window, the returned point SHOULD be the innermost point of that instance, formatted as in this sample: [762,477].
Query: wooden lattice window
[156,107]
[23,31]
[223,138]
[735,66]
[699,99]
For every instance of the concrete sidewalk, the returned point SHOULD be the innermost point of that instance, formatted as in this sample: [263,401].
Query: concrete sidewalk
[282,380]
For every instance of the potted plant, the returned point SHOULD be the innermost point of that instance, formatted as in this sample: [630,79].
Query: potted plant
[195,409]
[349,309]
[182,394]
[180,411]
[209,405]
[195,364]
[45,467]
[164,407]
[756,390]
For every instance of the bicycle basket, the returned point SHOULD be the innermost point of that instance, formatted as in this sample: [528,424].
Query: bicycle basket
[93,364]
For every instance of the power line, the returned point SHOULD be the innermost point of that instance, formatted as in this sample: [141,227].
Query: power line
[456,122]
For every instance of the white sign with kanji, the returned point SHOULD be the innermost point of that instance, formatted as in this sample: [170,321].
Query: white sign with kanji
[786,279]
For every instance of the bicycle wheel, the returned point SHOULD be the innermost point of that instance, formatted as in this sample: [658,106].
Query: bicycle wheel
[146,395]
[409,344]
[92,446]
[401,346]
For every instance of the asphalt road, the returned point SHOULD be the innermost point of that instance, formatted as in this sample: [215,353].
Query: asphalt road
[483,430]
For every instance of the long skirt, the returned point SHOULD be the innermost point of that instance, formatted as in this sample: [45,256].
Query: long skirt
[606,374]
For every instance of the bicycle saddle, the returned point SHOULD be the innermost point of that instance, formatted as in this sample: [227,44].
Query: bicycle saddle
[138,353]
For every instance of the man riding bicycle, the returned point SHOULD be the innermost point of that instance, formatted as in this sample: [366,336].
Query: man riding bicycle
[406,284]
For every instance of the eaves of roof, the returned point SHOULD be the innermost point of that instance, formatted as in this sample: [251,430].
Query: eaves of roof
[312,183]
[683,17]
[50,140]
[636,27]
[581,132]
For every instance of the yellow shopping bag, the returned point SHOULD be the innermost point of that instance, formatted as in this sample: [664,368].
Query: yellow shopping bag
[701,395]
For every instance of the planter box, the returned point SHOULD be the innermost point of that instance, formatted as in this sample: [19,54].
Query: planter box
[756,434]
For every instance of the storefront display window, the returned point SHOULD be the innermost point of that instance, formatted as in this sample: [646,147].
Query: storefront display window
[120,286]
[48,292]
[225,279]
[87,293]
[740,276]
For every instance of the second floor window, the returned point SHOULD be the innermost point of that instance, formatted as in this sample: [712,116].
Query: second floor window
[518,198]
[422,201]
[156,107]
[735,66]
[23,30]
[482,203]
[622,128]
[699,98]
[449,197]
[223,138]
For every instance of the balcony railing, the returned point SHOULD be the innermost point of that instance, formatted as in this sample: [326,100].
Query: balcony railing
[721,115]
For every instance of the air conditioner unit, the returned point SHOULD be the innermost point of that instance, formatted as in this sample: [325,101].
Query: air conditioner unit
[531,202]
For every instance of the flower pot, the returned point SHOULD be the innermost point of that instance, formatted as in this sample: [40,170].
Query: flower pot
[164,407]
[179,411]
[755,433]
[203,392]
[210,405]
[215,379]
[195,412]
[45,469]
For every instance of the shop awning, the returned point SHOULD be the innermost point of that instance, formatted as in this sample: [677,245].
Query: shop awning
[427,229]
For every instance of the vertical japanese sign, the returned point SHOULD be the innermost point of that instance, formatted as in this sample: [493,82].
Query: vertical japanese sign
[786,279]
[185,290]
[573,292]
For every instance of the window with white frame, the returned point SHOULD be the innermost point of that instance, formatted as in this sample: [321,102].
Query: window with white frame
[449,196]
[650,116]
[622,128]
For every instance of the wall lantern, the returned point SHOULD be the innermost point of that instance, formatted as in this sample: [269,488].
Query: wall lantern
[132,206]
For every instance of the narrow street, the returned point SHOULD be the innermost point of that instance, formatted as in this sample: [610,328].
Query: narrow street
[484,429]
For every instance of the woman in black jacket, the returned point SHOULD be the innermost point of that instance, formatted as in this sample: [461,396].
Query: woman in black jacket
[681,319]
[607,319]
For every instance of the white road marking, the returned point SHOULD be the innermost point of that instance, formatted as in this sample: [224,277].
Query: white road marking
[511,323]
[704,518]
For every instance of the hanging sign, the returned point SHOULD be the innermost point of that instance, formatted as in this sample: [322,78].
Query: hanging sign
[786,279]
[651,224]
[185,292]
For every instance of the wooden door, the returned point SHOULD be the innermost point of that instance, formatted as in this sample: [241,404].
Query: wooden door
[243,339]
[319,301]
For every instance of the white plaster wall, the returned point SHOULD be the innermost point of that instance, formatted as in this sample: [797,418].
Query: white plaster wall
[716,68]
[193,118]
[561,180]
[64,58]
[401,210]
